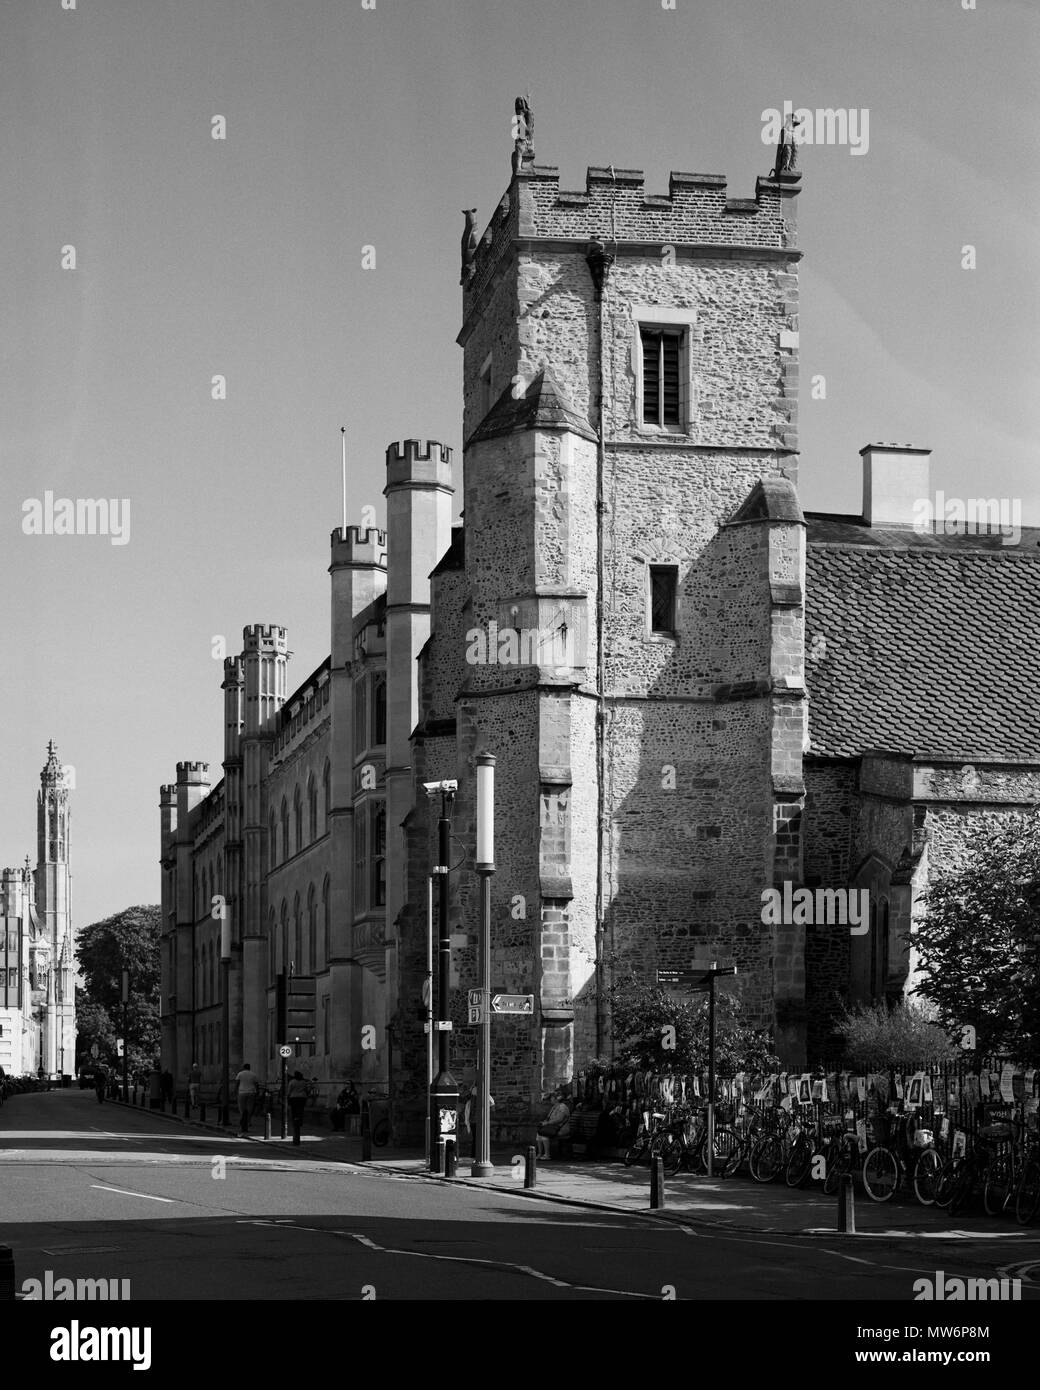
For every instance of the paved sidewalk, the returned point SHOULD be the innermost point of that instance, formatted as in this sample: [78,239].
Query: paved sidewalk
[736,1204]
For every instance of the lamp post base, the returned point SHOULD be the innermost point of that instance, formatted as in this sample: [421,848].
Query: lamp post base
[482,1170]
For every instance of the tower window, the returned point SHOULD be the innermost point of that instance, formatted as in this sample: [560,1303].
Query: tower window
[664,583]
[662,364]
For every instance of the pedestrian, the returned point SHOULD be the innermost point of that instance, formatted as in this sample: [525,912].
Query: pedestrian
[248,1086]
[471,1116]
[155,1088]
[556,1124]
[166,1081]
[194,1083]
[299,1090]
[100,1081]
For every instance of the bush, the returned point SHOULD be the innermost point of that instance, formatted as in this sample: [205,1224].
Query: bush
[878,1038]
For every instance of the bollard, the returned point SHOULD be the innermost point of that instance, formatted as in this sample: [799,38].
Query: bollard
[450,1157]
[846,1206]
[656,1182]
[6,1274]
[267,1125]
[531,1166]
[366,1133]
[202,1111]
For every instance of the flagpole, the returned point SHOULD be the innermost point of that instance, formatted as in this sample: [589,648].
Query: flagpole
[343,438]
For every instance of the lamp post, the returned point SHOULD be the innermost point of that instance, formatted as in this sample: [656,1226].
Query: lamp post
[444,1090]
[225,982]
[713,973]
[125,1000]
[482,1165]
[431,1148]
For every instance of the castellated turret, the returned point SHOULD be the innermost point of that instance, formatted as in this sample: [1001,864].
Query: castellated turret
[265,655]
[358,569]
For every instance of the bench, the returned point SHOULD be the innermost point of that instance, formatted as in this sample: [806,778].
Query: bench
[583,1125]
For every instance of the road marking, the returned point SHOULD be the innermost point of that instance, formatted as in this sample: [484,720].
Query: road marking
[122,1192]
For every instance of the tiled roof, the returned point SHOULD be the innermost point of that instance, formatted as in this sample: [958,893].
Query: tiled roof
[921,643]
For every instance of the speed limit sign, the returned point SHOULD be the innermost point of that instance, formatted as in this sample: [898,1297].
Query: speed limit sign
[285,1050]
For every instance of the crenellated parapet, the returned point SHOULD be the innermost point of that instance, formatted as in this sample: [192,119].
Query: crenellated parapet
[192,774]
[361,548]
[268,638]
[410,465]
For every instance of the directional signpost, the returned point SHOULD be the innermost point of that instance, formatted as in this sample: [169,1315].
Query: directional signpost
[512,1003]
[695,982]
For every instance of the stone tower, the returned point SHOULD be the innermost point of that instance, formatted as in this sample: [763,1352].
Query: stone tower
[53,909]
[634,558]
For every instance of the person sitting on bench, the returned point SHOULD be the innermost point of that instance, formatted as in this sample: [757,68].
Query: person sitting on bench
[556,1124]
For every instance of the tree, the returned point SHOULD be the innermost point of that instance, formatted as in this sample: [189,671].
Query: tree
[979,942]
[129,940]
[906,1037]
[654,1030]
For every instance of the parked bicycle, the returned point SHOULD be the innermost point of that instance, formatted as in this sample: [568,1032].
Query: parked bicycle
[1027,1194]
[908,1152]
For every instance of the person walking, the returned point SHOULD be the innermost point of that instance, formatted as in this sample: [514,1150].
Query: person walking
[248,1086]
[155,1088]
[100,1082]
[194,1083]
[471,1115]
[297,1093]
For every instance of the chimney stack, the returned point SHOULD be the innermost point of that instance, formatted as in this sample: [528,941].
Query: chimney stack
[896,477]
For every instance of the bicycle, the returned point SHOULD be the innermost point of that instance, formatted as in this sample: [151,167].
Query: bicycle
[843,1156]
[770,1155]
[759,1125]
[1027,1194]
[651,1129]
[1000,1182]
[912,1154]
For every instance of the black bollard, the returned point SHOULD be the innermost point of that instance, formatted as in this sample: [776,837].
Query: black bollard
[267,1125]
[846,1206]
[531,1166]
[6,1274]
[450,1157]
[202,1111]
[366,1133]
[656,1182]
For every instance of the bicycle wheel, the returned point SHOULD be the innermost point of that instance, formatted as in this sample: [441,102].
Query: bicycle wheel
[998,1186]
[839,1165]
[727,1143]
[381,1133]
[767,1159]
[880,1174]
[963,1187]
[926,1176]
[736,1160]
[671,1150]
[1027,1198]
[800,1161]
[635,1151]
[947,1179]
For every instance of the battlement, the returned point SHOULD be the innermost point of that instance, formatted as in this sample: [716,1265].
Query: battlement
[265,637]
[614,208]
[366,548]
[168,794]
[409,466]
[192,774]
[233,672]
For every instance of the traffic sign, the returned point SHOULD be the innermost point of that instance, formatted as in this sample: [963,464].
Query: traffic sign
[512,1003]
[442,1025]
[285,1050]
[95,1051]
[426,992]
[476,998]
[476,1013]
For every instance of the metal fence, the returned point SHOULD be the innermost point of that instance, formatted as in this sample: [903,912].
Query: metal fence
[952,1098]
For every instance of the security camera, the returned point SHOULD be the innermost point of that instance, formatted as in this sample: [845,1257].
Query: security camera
[432,788]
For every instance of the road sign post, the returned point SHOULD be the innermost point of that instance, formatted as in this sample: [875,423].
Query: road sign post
[694,982]
[512,1003]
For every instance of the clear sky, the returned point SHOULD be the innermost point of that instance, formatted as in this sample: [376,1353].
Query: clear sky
[242,257]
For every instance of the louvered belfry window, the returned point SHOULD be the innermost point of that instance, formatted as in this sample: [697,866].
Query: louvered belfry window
[662,355]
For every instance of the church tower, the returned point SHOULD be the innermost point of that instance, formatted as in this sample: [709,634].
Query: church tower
[634,558]
[53,909]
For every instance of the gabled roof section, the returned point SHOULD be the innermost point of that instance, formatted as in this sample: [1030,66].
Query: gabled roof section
[454,558]
[545,405]
[921,642]
[771,499]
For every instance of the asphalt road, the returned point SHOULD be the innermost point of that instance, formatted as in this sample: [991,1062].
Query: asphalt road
[107,1192]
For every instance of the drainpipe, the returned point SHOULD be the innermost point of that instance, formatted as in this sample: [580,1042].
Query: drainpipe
[599,264]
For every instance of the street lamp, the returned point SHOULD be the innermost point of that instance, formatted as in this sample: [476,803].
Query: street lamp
[482,1165]
[444,1091]
[713,973]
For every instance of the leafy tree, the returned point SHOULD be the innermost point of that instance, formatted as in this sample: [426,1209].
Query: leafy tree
[979,942]
[654,1030]
[129,940]
[906,1036]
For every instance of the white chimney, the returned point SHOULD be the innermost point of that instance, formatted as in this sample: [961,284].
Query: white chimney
[896,479]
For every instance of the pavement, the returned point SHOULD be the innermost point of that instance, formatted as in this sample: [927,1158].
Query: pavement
[735,1204]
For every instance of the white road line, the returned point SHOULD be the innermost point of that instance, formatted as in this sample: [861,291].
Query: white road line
[123,1193]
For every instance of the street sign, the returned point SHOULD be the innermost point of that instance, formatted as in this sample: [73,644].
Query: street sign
[426,992]
[285,1050]
[692,981]
[476,998]
[512,1003]
[120,1047]
[95,1051]
[442,1025]
[476,1013]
